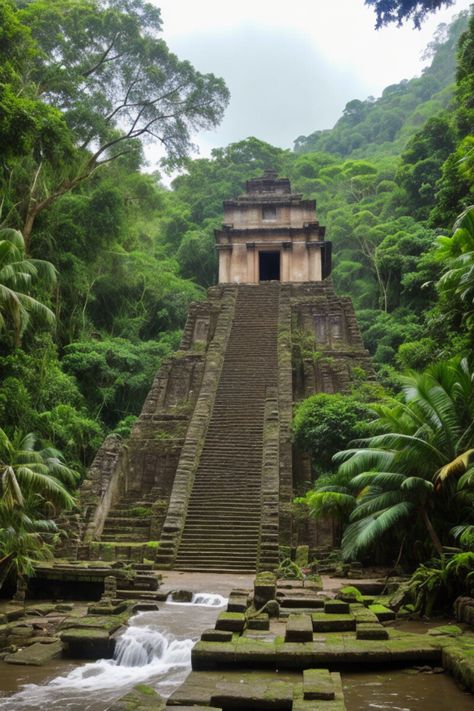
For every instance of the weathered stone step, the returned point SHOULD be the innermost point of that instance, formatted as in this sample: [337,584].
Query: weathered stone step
[135,522]
[121,537]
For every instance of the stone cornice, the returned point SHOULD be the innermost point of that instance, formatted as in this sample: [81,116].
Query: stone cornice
[311,228]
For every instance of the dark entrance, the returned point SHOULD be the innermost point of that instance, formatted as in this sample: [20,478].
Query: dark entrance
[269,266]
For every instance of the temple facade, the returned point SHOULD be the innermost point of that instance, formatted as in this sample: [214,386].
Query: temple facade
[271,234]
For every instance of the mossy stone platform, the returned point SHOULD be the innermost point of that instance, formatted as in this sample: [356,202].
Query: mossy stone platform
[254,690]
[330,650]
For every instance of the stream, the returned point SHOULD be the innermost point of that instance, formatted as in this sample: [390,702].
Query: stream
[156,648]
[152,650]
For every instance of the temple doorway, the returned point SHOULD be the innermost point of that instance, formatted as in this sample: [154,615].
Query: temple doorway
[269,266]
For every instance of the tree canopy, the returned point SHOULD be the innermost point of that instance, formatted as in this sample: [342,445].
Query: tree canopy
[399,11]
[107,79]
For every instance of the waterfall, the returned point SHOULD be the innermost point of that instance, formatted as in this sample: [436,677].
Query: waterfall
[142,653]
[200,599]
[140,646]
[155,648]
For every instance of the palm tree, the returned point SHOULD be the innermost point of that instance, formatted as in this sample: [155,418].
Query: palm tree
[17,275]
[34,488]
[408,471]
[457,254]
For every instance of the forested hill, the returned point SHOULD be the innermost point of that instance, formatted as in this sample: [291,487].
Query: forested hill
[382,126]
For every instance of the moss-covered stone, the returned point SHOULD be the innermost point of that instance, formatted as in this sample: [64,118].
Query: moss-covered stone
[260,622]
[370,630]
[445,630]
[384,614]
[264,588]
[36,654]
[93,643]
[231,622]
[323,622]
[212,635]
[299,628]
[349,593]
[237,603]
[140,698]
[317,684]
[336,607]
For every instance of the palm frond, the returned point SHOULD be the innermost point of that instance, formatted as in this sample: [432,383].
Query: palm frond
[363,534]
[455,468]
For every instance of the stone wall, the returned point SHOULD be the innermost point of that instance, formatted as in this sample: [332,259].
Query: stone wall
[145,465]
[328,356]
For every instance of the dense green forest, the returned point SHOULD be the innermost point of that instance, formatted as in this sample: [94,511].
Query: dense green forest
[99,260]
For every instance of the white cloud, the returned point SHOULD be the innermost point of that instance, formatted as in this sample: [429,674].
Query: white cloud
[292,67]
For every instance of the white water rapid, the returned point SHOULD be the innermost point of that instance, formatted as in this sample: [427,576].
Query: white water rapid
[201,599]
[153,650]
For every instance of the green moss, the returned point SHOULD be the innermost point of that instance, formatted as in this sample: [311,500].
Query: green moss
[144,689]
[349,591]
[449,630]
[140,511]
[266,577]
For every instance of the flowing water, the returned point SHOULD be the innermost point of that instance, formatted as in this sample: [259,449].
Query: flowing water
[403,690]
[154,649]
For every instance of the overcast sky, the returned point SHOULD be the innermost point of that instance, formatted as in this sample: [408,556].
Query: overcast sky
[292,66]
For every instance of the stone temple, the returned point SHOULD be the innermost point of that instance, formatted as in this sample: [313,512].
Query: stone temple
[207,478]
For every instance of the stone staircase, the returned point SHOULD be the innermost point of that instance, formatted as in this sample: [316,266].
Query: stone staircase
[222,528]
[128,520]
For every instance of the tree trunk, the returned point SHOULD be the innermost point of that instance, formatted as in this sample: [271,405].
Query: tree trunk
[433,535]
[27,229]
[5,566]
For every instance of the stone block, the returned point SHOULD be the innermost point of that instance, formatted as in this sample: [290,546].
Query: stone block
[302,705]
[362,614]
[141,698]
[317,684]
[384,614]
[255,693]
[36,654]
[370,630]
[302,601]
[212,635]
[264,588]
[92,643]
[323,622]
[231,622]
[299,628]
[260,622]
[237,603]
[336,607]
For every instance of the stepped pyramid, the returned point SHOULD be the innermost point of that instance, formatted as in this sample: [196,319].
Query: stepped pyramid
[207,477]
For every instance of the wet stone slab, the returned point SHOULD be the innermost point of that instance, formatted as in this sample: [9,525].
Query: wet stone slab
[318,684]
[36,654]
